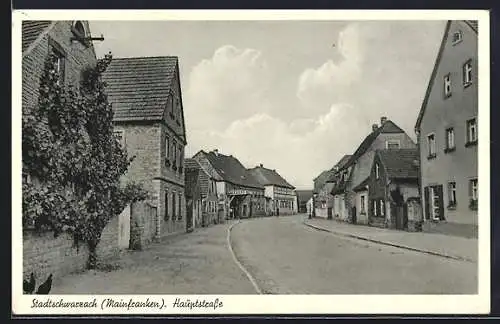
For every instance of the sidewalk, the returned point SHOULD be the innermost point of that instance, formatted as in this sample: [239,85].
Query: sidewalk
[437,244]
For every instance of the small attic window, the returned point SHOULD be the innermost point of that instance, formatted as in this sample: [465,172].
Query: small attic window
[457,37]
[78,29]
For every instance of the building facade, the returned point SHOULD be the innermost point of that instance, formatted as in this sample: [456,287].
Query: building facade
[447,129]
[208,194]
[385,136]
[392,182]
[146,96]
[239,193]
[280,194]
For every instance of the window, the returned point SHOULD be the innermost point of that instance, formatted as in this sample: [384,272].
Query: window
[382,208]
[452,194]
[473,194]
[59,64]
[467,73]
[392,144]
[362,203]
[180,154]
[471,132]
[179,214]
[457,37]
[173,205]
[450,139]
[447,85]
[377,171]
[174,152]
[167,147]
[79,29]
[434,195]
[431,146]
[166,205]
[473,189]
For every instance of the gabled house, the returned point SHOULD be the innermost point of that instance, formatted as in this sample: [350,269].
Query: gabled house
[386,136]
[281,197]
[332,189]
[392,182]
[303,197]
[145,93]
[240,195]
[447,133]
[208,194]
[67,40]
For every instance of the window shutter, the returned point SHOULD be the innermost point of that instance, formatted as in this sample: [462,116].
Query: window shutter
[441,205]
[426,202]
[470,188]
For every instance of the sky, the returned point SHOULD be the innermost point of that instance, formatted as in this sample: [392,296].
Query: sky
[295,96]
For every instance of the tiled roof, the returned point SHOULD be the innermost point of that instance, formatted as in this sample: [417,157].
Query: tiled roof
[343,161]
[400,164]
[304,195]
[387,127]
[362,185]
[473,24]
[269,177]
[31,29]
[138,87]
[203,176]
[320,181]
[232,170]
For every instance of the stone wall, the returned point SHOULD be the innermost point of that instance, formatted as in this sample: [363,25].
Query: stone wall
[43,254]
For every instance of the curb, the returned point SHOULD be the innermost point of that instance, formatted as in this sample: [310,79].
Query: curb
[235,259]
[401,246]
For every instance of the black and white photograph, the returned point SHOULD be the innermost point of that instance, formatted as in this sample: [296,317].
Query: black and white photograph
[197,158]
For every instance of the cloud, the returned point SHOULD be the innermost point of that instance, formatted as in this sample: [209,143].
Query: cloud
[318,87]
[262,138]
[228,86]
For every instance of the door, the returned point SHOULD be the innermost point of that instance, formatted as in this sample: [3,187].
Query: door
[189,215]
[354,216]
[329,212]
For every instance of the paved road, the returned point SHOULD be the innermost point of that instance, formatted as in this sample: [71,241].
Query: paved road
[286,257]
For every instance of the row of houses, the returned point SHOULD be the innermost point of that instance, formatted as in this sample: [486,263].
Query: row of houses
[146,98]
[220,188]
[431,185]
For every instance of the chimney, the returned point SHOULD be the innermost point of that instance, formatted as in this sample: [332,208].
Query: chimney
[216,152]
[382,120]
[374,127]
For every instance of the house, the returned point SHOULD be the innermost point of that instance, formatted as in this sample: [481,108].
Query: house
[322,202]
[194,203]
[303,197]
[447,134]
[331,190]
[146,96]
[392,183]
[282,199]
[386,136]
[208,194]
[68,40]
[240,195]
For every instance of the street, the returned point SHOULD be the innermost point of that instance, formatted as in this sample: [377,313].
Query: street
[282,256]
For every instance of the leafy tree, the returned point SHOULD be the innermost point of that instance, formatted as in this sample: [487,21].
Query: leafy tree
[69,147]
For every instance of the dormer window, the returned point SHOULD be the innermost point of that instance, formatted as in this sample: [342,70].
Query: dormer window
[78,29]
[457,37]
